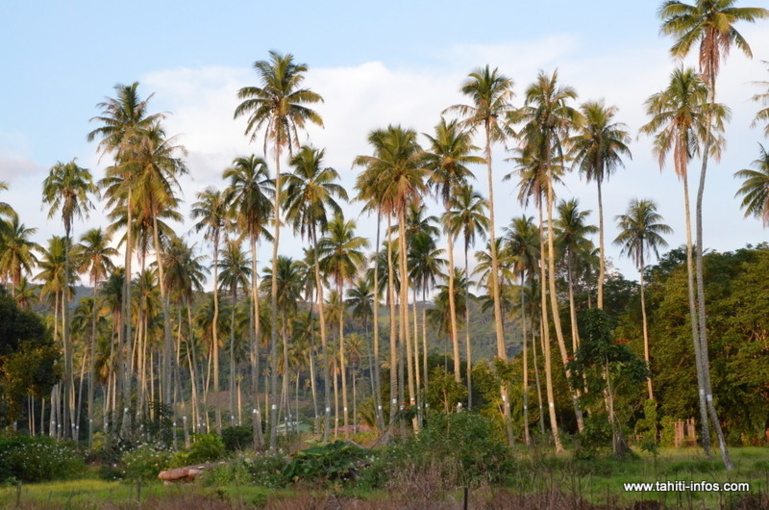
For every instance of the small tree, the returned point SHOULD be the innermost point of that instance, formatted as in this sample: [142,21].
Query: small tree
[608,366]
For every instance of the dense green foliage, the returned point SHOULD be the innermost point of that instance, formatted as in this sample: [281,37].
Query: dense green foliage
[37,459]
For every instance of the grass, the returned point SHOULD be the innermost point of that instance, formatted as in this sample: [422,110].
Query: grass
[540,481]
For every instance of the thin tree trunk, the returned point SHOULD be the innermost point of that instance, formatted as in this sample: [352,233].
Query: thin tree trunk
[468,345]
[601,249]
[404,308]
[525,387]
[323,341]
[537,382]
[377,394]
[705,431]
[393,331]
[255,346]
[343,361]
[501,347]
[554,299]
[546,343]
[215,333]
[645,330]
[453,311]
[274,307]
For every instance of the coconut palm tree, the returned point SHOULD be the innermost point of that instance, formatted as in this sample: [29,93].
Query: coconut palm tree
[680,116]
[213,214]
[311,194]
[395,179]
[572,239]
[66,190]
[641,230]
[449,154]
[124,120]
[548,119]
[18,256]
[597,150]
[522,244]
[490,93]
[755,188]
[711,24]
[93,257]
[341,256]
[468,216]
[251,194]
[279,107]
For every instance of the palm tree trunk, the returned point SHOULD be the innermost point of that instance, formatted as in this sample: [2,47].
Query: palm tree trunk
[404,308]
[645,329]
[501,347]
[69,404]
[554,299]
[601,249]
[468,345]
[323,341]
[393,331]
[705,357]
[125,351]
[255,345]
[546,343]
[232,361]
[453,312]
[377,394]
[705,430]
[525,387]
[274,307]
[168,354]
[537,381]
[215,326]
[343,361]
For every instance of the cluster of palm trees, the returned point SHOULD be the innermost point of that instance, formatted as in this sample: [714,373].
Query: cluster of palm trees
[148,335]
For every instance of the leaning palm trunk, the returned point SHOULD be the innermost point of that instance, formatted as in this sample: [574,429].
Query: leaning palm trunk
[705,431]
[453,312]
[705,358]
[546,343]
[554,299]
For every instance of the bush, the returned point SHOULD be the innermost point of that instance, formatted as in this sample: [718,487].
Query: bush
[267,471]
[453,449]
[145,462]
[237,438]
[38,459]
[205,448]
[326,462]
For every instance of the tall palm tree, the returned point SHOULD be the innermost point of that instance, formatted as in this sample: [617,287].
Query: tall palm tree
[597,149]
[468,216]
[279,106]
[641,230]
[572,239]
[66,190]
[18,256]
[680,116]
[93,256]
[212,211]
[711,23]
[394,180]
[490,93]
[449,154]
[311,194]
[124,120]
[549,119]
[522,243]
[341,256]
[251,194]
[755,188]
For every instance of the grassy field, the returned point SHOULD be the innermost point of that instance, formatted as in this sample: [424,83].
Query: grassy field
[539,481]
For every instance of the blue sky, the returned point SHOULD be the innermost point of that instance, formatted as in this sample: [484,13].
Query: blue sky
[399,62]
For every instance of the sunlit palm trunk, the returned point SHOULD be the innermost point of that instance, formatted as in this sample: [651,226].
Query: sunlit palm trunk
[554,298]
[215,332]
[69,404]
[501,347]
[404,309]
[525,386]
[453,312]
[343,361]
[168,345]
[124,353]
[645,328]
[546,342]
[601,262]
[468,345]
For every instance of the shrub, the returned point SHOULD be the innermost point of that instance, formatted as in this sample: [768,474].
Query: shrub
[145,462]
[37,459]
[237,438]
[267,470]
[325,462]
